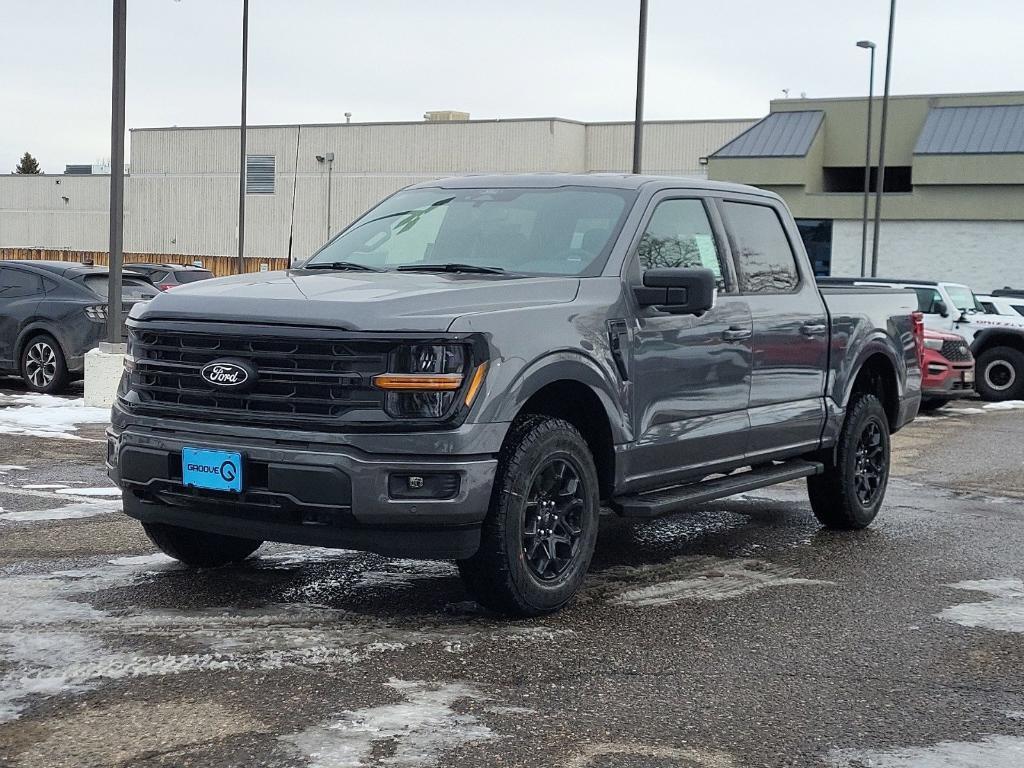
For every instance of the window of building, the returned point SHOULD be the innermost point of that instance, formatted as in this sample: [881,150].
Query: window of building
[851,178]
[259,174]
[679,235]
[817,237]
[764,258]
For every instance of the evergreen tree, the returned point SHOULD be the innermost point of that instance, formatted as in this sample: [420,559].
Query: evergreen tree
[28,164]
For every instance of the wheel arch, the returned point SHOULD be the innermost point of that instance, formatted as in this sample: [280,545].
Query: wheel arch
[877,372]
[996,337]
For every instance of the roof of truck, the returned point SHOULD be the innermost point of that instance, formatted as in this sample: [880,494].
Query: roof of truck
[601,180]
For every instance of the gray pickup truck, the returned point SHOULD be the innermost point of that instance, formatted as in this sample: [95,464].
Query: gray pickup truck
[476,366]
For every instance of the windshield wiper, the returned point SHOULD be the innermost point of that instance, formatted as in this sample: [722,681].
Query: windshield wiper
[342,266]
[451,267]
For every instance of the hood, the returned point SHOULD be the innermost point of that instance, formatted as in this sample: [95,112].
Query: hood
[982,320]
[356,301]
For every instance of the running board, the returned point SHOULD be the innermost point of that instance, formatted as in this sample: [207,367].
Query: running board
[667,500]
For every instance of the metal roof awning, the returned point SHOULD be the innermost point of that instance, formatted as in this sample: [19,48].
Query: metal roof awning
[972,131]
[780,134]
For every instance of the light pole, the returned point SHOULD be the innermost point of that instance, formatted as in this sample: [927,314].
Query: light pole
[880,181]
[241,142]
[328,157]
[867,159]
[116,174]
[641,62]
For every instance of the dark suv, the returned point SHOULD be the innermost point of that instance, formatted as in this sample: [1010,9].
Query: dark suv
[51,314]
[167,276]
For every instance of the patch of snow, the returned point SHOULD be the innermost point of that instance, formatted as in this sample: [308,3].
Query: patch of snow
[47,416]
[68,512]
[709,578]
[105,491]
[592,755]
[966,411]
[419,730]
[5,468]
[989,752]
[1005,405]
[1004,612]
[43,486]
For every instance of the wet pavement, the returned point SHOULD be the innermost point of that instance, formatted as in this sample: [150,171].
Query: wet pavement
[740,634]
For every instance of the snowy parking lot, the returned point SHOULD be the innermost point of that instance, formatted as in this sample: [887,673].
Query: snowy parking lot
[740,634]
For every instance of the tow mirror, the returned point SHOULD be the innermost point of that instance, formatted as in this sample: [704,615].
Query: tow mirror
[941,308]
[679,290]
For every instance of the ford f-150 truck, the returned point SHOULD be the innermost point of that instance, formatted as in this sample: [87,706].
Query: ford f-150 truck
[476,366]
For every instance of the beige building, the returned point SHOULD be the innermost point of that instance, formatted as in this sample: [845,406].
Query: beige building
[181,197]
[953,206]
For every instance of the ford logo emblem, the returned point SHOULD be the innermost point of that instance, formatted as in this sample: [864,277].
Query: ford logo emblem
[224,373]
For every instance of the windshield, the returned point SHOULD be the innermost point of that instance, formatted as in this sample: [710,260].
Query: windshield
[131,287]
[563,231]
[963,298]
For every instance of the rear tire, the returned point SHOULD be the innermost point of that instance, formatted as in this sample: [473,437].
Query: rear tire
[43,367]
[541,526]
[1000,374]
[849,493]
[198,548]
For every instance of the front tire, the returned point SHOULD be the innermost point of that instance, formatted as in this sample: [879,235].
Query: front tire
[43,367]
[198,548]
[1000,374]
[541,526]
[849,493]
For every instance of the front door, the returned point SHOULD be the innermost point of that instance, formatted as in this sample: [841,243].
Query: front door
[691,374]
[791,332]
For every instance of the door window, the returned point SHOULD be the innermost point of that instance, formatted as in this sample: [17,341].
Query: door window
[764,259]
[679,234]
[928,300]
[16,283]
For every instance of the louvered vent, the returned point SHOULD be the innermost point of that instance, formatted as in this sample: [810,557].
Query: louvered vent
[259,174]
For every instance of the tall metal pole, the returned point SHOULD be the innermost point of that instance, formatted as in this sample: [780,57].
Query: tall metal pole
[867,161]
[641,62]
[330,167]
[880,182]
[116,174]
[241,143]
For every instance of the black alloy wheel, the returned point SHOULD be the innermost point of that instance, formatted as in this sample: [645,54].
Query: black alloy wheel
[553,519]
[870,463]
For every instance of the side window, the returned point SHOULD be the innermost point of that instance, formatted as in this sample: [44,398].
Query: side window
[764,259]
[15,283]
[679,234]
[927,300]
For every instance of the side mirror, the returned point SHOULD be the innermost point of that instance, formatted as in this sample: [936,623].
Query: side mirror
[679,290]
[941,308]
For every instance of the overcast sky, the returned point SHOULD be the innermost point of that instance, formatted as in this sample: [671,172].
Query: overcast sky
[313,60]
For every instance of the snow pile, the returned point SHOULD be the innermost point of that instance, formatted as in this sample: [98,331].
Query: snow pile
[105,491]
[1005,405]
[67,512]
[47,416]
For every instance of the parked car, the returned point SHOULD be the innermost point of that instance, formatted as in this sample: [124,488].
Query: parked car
[1005,301]
[51,314]
[167,276]
[997,341]
[947,369]
[470,369]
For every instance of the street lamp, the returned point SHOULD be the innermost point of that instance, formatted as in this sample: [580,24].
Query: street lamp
[880,181]
[328,157]
[641,63]
[867,159]
[241,139]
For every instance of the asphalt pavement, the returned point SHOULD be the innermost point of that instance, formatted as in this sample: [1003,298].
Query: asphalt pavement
[739,634]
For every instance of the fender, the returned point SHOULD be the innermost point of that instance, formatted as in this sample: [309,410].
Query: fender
[567,365]
[1008,336]
[878,343]
[38,325]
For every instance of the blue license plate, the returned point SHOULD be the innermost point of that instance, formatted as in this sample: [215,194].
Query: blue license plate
[214,470]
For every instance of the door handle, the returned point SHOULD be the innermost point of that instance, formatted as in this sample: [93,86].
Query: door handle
[736,333]
[813,329]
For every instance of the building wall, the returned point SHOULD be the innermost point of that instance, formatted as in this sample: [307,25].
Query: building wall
[182,194]
[981,254]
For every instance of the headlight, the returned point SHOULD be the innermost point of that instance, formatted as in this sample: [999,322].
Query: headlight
[423,380]
[933,343]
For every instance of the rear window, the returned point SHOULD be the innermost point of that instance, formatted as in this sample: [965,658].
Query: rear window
[132,288]
[764,258]
[193,275]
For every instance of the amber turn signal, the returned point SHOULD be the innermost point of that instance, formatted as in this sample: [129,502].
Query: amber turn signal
[475,382]
[416,382]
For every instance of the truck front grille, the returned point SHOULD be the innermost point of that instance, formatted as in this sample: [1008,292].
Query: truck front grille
[956,351]
[301,376]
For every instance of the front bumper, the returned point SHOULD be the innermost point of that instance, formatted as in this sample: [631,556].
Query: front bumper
[306,492]
[948,380]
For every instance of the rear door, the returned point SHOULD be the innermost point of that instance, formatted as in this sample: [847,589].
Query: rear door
[20,293]
[790,324]
[691,375]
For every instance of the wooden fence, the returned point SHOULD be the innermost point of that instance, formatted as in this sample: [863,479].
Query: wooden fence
[221,266]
